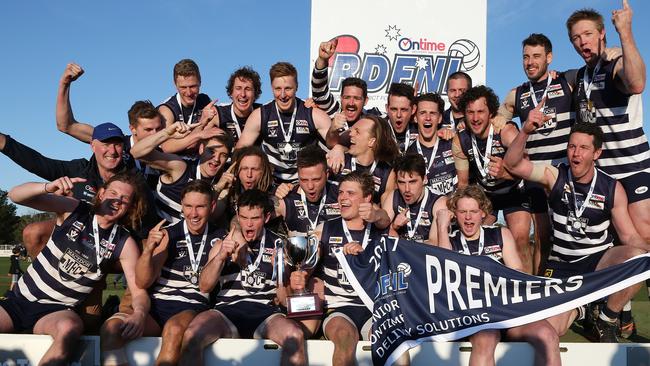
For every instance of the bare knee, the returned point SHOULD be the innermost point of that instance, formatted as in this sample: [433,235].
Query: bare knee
[68,329]
[111,331]
[173,330]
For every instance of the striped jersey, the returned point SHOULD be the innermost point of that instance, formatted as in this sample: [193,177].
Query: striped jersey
[490,184]
[619,115]
[229,121]
[575,238]
[492,243]
[379,173]
[421,228]
[178,281]
[441,172]
[298,217]
[168,195]
[256,283]
[282,154]
[338,290]
[66,270]
[549,142]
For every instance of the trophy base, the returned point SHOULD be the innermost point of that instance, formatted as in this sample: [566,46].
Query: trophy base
[304,306]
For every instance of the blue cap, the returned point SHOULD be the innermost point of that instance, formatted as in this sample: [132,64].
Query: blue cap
[107,131]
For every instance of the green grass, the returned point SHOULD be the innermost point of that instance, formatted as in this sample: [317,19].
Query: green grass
[640,307]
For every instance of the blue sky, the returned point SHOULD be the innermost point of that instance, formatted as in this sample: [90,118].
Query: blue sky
[128,49]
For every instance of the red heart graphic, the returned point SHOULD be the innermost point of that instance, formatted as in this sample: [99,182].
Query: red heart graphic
[347,44]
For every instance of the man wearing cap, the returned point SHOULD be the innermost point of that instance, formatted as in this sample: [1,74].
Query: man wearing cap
[107,160]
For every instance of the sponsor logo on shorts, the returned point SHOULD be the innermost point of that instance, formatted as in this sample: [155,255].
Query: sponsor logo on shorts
[641,190]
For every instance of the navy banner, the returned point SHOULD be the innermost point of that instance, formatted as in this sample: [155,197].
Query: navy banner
[419,292]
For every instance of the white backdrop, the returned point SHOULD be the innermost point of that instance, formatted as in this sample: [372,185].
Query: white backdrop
[417,42]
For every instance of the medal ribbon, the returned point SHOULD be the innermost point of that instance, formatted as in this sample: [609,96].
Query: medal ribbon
[483,161]
[178,99]
[481,243]
[412,228]
[98,255]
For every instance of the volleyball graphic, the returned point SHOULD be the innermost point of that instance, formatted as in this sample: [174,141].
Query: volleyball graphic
[404,267]
[468,50]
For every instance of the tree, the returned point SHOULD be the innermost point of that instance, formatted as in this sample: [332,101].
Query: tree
[27,219]
[8,220]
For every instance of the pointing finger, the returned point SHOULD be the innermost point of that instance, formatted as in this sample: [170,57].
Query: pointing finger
[159,225]
[77,180]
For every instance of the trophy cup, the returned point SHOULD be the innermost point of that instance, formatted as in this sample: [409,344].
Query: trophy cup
[301,252]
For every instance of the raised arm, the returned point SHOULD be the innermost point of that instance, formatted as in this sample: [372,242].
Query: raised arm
[323,124]
[251,130]
[461,162]
[439,205]
[516,161]
[49,196]
[65,121]
[189,140]
[631,71]
[153,257]
[146,150]
[443,221]
[220,253]
[320,90]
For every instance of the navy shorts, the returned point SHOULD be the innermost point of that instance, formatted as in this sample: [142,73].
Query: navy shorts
[359,316]
[246,317]
[636,187]
[24,313]
[162,310]
[555,269]
[537,196]
[513,201]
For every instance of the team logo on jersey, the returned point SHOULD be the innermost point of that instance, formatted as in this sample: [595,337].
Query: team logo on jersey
[332,209]
[273,132]
[252,281]
[73,265]
[72,235]
[335,240]
[489,249]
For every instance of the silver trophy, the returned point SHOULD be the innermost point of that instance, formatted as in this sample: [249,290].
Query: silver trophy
[301,252]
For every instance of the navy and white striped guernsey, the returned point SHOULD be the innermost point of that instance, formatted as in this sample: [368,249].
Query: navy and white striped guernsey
[168,195]
[400,138]
[229,121]
[177,280]
[441,175]
[491,186]
[303,133]
[574,239]
[66,270]
[379,175]
[448,121]
[620,116]
[338,290]
[296,214]
[187,114]
[548,144]
[426,219]
[254,284]
[492,243]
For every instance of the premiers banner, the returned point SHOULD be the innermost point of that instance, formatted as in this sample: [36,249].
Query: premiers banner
[416,42]
[418,292]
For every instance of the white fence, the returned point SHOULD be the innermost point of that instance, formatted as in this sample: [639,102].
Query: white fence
[5,249]
[26,350]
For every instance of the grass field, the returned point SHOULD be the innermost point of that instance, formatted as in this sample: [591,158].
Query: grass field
[640,307]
